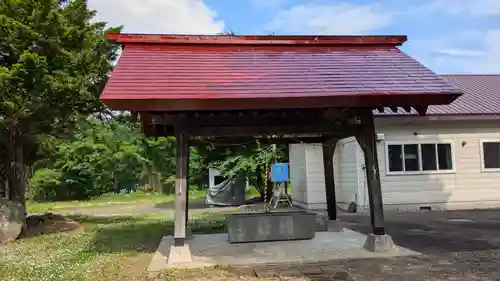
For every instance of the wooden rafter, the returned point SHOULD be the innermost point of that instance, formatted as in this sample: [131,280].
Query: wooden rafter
[421,110]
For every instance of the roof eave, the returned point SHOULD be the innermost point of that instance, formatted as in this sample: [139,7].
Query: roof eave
[374,100]
[372,40]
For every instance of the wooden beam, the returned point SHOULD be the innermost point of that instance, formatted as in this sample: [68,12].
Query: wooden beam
[230,141]
[331,202]
[342,130]
[259,117]
[367,140]
[273,133]
[181,188]
[281,121]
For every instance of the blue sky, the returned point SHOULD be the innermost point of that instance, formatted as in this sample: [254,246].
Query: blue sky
[449,36]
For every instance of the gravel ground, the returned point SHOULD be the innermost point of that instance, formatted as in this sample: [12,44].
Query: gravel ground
[461,245]
[481,265]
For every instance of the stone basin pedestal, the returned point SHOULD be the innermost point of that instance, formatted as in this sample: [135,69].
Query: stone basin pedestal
[272,226]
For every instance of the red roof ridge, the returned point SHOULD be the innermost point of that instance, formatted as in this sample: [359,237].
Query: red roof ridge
[380,40]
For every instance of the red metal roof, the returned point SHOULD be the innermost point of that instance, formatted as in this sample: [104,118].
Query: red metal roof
[481,97]
[176,72]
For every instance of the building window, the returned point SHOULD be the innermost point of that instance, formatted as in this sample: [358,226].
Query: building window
[420,157]
[491,154]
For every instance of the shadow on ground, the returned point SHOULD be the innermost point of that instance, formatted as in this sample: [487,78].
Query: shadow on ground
[461,245]
[438,232]
[467,266]
[118,234]
[197,204]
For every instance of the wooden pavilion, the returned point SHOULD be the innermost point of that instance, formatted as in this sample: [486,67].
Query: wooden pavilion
[292,88]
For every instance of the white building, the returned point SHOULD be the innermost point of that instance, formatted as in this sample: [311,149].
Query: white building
[449,159]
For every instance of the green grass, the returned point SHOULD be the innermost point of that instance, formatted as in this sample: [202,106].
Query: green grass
[108,199]
[110,248]
[252,192]
[121,199]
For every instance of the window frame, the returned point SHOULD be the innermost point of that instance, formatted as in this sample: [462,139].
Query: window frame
[481,155]
[421,171]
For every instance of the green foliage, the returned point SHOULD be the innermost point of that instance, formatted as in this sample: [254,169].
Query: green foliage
[250,159]
[111,156]
[160,166]
[45,184]
[54,62]
[198,171]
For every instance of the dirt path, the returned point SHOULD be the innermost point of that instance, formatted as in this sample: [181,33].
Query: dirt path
[137,209]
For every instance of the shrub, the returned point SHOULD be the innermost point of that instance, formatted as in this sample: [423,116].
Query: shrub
[45,184]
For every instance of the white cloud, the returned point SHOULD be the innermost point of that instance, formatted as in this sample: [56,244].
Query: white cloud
[159,16]
[484,58]
[463,7]
[457,52]
[339,19]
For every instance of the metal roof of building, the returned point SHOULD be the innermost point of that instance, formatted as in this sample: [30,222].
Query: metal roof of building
[165,72]
[481,97]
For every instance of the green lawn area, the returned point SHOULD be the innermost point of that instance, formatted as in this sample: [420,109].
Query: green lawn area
[108,199]
[122,199]
[110,248]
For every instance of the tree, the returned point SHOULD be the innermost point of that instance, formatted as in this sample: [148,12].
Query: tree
[102,156]
[54,62]
[250,159]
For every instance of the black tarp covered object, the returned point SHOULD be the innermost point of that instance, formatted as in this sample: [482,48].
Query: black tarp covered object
[230,192]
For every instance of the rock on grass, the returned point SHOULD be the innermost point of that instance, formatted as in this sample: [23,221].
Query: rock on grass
[49,223]
[12,216]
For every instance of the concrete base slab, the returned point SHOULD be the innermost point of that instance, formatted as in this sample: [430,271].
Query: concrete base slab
[379,243]
[167,256]
[334,226]
[214,249]
[179,254]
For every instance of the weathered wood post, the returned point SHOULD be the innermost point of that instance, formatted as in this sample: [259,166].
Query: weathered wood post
[331,203]
[189,235]
[378,241]
[328,151]
[181,190]
[179,251]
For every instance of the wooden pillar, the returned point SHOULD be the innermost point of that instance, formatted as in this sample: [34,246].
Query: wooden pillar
[181,188]
[188,230]
[331,202]
[367,141]
[269,188]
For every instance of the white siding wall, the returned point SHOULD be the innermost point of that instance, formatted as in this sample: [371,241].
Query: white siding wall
[298,174]
[467,188]
[345,170]
[315,180]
